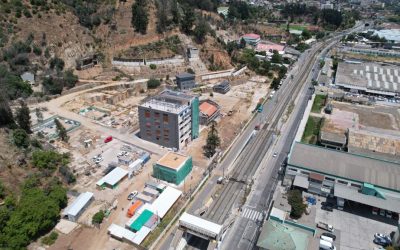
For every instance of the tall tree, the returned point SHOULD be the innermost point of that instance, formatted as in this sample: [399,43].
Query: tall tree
[201,30]
[188,19]
[23,117]
[162,21]
[6,117]
[175,12]
[62,132]
[140,16]
[39,115]
[213,141]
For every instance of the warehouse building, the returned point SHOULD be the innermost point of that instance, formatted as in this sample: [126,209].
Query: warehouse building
[170,119]
[349,177]
[173,167]
[112,179]
[369,78]
[73,211]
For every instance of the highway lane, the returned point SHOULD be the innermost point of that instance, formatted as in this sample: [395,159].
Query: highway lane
[245,231]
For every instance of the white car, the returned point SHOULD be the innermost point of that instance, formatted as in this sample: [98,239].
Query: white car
[275,154]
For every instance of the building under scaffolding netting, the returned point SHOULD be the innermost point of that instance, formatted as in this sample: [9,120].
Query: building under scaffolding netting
[173,167]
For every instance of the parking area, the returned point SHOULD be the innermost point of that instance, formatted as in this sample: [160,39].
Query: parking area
[354,226]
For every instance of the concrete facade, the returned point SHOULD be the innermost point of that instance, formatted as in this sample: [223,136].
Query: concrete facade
[185,81]
[169,119]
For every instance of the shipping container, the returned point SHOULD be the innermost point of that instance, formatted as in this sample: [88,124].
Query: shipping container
[134,207]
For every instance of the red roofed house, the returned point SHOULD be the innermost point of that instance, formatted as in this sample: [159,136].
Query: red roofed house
[270,47]
[251,39]
[209,111]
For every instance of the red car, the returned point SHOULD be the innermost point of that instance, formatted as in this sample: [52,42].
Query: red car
[108,139]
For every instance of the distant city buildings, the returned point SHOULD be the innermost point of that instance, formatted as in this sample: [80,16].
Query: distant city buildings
[170,119]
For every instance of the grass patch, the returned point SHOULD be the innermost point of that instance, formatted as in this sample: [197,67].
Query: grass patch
[294,27]
[319,103]
[312,129]
[50,239]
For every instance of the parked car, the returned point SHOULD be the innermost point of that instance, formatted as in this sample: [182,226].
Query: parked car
[382,236]
[329,235]
[108,139]
[381,242]
[327,208]
[275,154]
[388,214]
[133,195]
[375,210]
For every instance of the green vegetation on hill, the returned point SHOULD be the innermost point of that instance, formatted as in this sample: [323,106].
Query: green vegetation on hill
[35,213]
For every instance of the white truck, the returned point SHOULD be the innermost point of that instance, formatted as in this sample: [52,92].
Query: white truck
[326,245]
[325,226]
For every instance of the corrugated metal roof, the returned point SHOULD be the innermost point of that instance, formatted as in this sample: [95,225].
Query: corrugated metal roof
[113,177]
[165,201]
[78,204]
[199,224]
[121,233]
[359,168]
[141,235]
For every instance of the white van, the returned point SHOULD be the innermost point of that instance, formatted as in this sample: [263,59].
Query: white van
[326,238]
[326,245]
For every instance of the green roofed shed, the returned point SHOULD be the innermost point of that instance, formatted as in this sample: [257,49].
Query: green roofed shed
[141,220]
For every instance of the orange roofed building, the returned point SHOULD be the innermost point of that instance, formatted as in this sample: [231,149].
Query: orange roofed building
[209,111]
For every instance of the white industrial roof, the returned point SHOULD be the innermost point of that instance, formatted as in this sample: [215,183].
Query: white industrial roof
[121,233]
[199,224]
[78,204]
[141,235]
[165,201]
[113,177]
[278,213]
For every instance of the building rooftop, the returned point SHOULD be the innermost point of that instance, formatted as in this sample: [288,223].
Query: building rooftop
[185,75]
[278,236]
[78,204]
[251,36]
[348,193]
[375,141]
[354,167]
[207,108]
[169,101]
[373,77]
[270,47]
[113,177]
[173,160]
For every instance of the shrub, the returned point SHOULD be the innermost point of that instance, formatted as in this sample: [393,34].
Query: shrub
[153,66]
[20,138]
[50,239]
[48,159]
[98,217]
[153,84]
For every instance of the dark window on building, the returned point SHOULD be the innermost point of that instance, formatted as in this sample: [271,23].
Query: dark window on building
[329,179]
[342,182]
[165,118]
[156,114]
[147,114]
[355,185]
[304,172]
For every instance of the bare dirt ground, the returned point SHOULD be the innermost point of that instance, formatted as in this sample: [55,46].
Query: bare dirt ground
[377,116]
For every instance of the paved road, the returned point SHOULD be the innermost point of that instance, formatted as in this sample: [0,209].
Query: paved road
[245,231]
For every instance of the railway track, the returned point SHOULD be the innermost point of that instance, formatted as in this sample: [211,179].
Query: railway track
[250,158]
